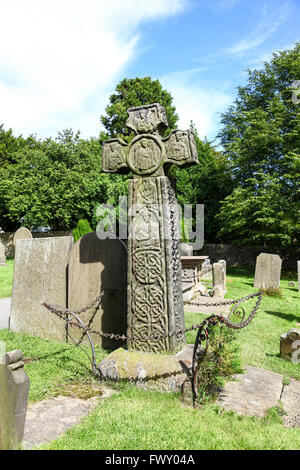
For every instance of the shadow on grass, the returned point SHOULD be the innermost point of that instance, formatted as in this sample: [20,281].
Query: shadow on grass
[284,316]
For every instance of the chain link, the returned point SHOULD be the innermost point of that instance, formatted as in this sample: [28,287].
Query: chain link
[64,313]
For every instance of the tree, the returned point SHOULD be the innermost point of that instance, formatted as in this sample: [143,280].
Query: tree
[83,228]
[260,214]
[207,183]
[135,92]
[261,129]
[261,140]
[52,185]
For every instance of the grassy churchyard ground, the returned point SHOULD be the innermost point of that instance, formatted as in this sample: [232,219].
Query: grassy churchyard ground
[134,419]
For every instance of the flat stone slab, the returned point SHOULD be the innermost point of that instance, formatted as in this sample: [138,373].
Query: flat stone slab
[291,404]
[47,420]
[208,306]
[164,372]
[4,312]
[253,393]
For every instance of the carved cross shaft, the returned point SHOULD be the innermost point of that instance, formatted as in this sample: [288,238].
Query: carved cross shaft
[148,153]
[155,304]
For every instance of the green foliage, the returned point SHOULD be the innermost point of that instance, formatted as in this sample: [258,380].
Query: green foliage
[261,141]
[135,92]
[221,362]
[207,183]
[261,213]
[272,292]
[261,129]
[52,184]
[6,278]
[83,227]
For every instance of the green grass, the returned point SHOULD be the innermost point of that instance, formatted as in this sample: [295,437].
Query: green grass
[50,364]
[6,278]
[144,420]
[135,419]
[259,341]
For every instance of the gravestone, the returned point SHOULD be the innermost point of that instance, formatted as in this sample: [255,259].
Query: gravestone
[97,265]
[40,275]
[290,345]
[14,390]
[2,255]
[155,304]
[267,271]
[186,249]
[223,263]
[218,280]
[21,234]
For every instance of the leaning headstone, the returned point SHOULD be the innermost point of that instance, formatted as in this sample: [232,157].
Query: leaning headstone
[21,234]
[267,271]
[155,304]
[2,255]
[290,346]
[218,280]
[298,268]
[14,390]
[95,266]
[40,275]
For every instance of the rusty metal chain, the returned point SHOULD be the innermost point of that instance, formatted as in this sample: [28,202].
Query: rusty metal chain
[64,312]
[202,334]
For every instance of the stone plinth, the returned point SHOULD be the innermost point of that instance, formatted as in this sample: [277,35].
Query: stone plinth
[192,267]
[97,266]
[14,390]
[267,271]
[148,370]
[40,275]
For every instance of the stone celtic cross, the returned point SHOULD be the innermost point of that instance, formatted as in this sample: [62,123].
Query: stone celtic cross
[155,305]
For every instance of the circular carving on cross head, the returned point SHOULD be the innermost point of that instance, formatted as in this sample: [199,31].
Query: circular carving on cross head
[145,155]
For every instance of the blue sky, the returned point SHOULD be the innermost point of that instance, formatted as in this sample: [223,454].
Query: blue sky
[61,59]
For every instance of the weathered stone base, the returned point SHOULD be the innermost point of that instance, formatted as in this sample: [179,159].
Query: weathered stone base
[148,370]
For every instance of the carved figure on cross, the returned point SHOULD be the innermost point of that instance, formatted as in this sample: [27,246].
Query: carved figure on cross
[149,153]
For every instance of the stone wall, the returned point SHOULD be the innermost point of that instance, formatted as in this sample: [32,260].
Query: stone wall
[7,239]
[246,255]
[233,255]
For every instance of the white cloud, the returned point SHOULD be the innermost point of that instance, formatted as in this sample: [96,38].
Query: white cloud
[194,100]
[269,23]
[59,58]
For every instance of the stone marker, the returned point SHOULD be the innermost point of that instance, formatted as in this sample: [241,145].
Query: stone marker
[186,249]
[298,269]
[14,390]
[252,393]
[218,280]
[21,234]
[40,275]
[267,271]
[155,304]
[2,255]
[97,265]
[223,263]
[290,346]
